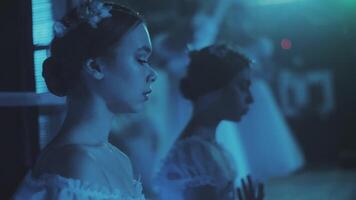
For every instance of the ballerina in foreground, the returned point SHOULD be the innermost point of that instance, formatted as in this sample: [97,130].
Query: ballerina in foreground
[99,61]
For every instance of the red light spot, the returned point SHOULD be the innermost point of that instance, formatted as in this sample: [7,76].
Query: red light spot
[286,44]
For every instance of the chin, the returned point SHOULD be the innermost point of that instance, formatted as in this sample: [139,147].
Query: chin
[119,109]
[136,108]
[235,118]
[133,110]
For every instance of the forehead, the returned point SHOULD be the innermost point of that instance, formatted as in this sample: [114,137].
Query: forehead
[136,38]
[244,75]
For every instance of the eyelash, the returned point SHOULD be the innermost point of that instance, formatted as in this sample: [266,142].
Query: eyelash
[143,61]
[244,87]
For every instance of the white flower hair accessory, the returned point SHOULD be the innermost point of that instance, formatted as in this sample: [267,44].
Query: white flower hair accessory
[59,29]
[91,12]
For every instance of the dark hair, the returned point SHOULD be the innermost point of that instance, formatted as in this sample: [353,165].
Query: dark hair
[211,68]
[82,41]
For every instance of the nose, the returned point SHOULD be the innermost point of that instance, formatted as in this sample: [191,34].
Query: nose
[152,76]
[249,98]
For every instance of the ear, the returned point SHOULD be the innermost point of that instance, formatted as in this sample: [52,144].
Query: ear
[224,94]
[94,69]
[206,101]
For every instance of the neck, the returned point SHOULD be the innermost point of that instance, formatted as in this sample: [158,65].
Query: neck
[202,124]
[88,121]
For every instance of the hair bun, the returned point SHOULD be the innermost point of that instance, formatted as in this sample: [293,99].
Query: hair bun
[53,77]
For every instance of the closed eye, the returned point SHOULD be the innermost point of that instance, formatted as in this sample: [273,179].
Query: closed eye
[244,86]
[143,61]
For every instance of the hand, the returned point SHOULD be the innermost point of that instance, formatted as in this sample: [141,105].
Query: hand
[249,191]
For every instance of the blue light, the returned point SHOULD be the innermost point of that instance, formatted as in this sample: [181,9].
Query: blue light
[272,2]
[39,57]
[42,35]
[42,22]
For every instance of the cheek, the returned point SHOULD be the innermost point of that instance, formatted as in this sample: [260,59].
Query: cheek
[239,102]
[123,92]
[129,74]
[121,69]
[236,96]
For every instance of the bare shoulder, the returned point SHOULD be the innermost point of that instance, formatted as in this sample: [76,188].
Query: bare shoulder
[71,161]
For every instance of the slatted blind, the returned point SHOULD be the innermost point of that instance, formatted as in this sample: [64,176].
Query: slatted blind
[42,20]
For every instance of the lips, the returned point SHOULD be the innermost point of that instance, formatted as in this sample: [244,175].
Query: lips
[146,94]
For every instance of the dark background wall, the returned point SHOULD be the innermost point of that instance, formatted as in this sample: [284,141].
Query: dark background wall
[18,126]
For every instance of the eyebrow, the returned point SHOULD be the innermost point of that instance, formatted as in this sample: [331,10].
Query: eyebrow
[247,82]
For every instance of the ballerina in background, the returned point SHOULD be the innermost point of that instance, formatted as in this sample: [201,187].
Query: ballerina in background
[99,61]
[217,83]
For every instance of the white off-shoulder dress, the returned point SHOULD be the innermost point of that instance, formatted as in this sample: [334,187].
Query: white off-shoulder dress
[195,162]
[56,187]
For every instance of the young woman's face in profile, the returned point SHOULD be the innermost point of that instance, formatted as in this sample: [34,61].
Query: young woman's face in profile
[127,75]
[238,96]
